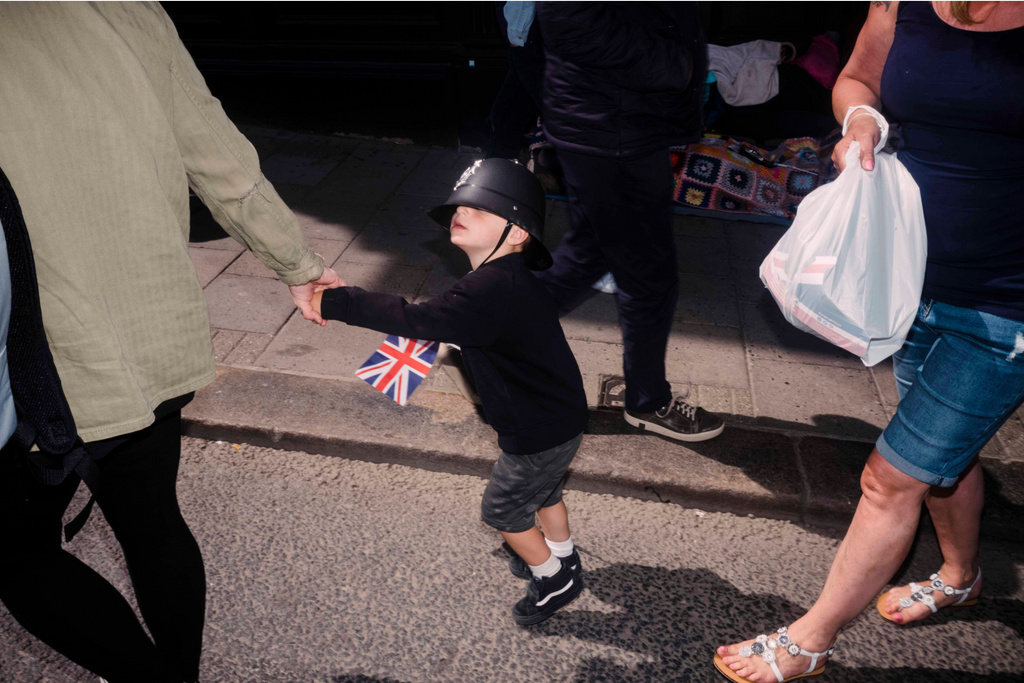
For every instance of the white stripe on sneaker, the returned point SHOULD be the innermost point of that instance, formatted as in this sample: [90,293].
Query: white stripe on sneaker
[557,592]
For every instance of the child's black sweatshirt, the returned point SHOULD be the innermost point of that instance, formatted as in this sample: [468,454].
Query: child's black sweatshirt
[507,326]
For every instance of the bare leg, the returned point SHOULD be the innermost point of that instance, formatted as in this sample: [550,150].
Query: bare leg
[956,514]
[878,540]
[555,522]
[529,545]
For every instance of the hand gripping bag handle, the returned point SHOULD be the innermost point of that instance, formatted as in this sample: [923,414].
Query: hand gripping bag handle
[879,119]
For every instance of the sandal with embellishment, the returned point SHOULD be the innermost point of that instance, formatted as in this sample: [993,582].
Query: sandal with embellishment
[764,646]
[923,594]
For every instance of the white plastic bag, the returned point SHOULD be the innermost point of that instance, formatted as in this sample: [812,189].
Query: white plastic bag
[851,268]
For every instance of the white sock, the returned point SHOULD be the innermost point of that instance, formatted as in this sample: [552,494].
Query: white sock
[560,548]
[549,568]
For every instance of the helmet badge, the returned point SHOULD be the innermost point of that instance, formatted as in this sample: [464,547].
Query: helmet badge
[464,178]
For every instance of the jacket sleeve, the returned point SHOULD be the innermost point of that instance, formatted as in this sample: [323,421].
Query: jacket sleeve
[224,171]
[462,315]
[595,35]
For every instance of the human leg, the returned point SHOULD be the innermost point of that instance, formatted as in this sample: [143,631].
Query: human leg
[520,485]
[139,499]
[578,261]
[554,519]
[511,113]
[964,380]
[955,512]
[875,545]
[58,598]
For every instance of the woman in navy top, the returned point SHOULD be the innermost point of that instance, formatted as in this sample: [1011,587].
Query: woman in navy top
[952,74]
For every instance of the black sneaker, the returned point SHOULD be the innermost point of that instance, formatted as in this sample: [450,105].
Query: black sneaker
[679,420]
[521,570]
[546,595]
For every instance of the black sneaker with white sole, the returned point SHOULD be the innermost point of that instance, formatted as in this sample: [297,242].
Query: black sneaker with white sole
[521,570]
[679,420]
[545,595]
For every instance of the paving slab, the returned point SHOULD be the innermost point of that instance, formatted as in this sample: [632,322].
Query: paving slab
[333,147]
[408,211]
[248,349]
[705,354]
[248,304]
[296,170]
[599,358]
[698,226]
[703,255]
[770,337]
[388,278]
[1012,435]
[224,341]
[752,241]
[749,288]
[369,175]
[835,401]
[209,263]
[707,300]
[326,221]
[291,193]
[336,350]
[596,319]
[388,244]
[437,173]
[247,264]
[832,468]
[886,382]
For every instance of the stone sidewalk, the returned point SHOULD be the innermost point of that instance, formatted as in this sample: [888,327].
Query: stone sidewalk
[361,204]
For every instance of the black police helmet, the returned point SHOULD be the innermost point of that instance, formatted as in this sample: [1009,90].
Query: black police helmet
[505,188]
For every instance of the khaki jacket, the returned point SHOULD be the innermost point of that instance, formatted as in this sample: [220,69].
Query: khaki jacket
[105,124]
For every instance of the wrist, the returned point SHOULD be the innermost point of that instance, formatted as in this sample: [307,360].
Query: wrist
[858,110]
[317,300]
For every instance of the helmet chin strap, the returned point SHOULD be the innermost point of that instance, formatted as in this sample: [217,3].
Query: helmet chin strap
[508,229]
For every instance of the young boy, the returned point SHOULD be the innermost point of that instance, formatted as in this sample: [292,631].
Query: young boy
[513,346]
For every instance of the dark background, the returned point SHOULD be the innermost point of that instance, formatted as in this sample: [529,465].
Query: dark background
[402,69]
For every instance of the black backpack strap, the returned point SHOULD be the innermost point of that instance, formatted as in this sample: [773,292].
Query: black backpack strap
[44,416]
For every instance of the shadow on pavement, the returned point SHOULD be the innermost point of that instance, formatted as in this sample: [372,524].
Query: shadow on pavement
[666,616]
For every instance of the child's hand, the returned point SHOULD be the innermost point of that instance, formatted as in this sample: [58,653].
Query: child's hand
[303,295]
[318,297]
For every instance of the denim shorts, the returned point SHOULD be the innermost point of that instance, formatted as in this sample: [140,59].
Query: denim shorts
[522,484]
[960,375]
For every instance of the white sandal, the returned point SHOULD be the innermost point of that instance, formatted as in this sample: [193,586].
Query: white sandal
[764,646]
[923,595]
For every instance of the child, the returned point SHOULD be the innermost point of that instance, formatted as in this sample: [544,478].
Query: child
[513,346]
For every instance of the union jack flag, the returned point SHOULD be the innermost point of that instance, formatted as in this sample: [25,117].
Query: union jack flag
[398,366]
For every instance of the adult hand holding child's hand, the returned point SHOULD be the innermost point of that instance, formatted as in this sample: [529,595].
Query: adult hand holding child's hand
[303,295]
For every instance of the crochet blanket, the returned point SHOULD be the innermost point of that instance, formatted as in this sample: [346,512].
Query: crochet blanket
[713,175]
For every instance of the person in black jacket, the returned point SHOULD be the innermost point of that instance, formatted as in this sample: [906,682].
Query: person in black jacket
[512,343]
[622,84]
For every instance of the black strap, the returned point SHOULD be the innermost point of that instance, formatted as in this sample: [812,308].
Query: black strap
[44,416]
[508,229]
[53,470]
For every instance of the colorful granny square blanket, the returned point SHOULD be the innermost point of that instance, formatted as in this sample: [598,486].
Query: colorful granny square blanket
[712,175]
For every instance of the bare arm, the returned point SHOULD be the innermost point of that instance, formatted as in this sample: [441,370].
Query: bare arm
[861,82]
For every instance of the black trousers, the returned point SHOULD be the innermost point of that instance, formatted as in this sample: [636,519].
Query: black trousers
[74,610]
[620,221]
[518,102]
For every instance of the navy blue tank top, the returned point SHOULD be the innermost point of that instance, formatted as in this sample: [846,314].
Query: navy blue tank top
[959,97]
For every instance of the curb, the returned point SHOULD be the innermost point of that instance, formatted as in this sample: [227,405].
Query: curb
[799,477]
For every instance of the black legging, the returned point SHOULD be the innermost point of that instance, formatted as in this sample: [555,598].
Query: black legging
[73,609]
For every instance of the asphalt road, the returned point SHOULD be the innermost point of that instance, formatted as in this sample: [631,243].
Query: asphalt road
[332,571]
